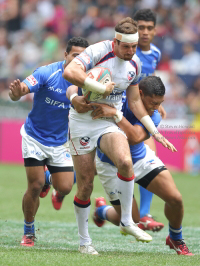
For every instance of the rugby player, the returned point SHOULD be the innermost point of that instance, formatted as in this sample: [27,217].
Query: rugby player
[118,56]
[45,132]
[149,170]
[149,56]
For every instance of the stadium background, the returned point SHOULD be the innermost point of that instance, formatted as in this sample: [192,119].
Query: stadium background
[34,33]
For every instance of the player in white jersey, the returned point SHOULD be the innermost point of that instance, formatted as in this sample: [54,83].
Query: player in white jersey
[150,57]
[45,133]
[149,170]
[119,56]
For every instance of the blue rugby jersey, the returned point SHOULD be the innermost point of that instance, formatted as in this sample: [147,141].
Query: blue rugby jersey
[149,60]
[47,122]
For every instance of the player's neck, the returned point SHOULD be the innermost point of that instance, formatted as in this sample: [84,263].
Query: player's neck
[144,48]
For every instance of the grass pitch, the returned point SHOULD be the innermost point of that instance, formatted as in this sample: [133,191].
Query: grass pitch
[57,233]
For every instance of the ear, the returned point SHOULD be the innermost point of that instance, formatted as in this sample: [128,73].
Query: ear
[141,93]
[66,54]
[155,31]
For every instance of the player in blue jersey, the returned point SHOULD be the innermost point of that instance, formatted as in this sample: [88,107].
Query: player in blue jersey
[149,56]
[45,132]
[149,170]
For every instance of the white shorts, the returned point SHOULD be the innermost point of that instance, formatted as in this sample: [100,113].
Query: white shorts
[56,156]
[108,173]
[85,132]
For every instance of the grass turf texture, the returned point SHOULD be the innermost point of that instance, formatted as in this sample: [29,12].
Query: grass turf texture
[57,234]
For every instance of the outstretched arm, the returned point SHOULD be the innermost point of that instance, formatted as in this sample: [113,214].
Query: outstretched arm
[134,133]
[17,90]
[137,107]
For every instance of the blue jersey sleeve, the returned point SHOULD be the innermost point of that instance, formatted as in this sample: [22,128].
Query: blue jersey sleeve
[38,78]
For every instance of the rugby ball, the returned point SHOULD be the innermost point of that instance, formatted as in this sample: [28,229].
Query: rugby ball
[100,74]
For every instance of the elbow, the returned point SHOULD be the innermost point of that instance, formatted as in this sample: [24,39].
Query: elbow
[134,139]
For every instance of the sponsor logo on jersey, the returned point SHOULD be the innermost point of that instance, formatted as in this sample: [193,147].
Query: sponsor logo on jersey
[56,103]
[56,90]
[84,141]
[33,81]
[130,75]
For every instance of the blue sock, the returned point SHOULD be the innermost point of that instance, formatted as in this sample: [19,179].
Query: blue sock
[175,234]
[101,211]
[29,228]
[47,178]
[74,177]
[145,201]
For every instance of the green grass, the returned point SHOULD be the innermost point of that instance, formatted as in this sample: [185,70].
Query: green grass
[57,233]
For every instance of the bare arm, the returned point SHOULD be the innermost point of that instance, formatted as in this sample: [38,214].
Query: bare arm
[75,74]
[134,102]
[134,133]
[17,90]
[80,103]
[162,112]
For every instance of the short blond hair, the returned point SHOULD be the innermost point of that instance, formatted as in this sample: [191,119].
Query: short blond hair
[126,25]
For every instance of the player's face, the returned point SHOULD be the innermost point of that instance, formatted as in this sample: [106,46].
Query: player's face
[151,103]
[76,50]
[125,50]
[146,31]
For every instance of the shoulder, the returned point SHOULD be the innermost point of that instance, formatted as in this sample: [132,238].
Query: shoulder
[155,50]
[52,69]
[135,61]
[102,46]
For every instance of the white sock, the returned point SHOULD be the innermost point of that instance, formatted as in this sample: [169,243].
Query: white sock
[82,210]
[125,192]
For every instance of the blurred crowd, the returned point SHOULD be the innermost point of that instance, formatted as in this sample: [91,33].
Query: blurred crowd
[35,32]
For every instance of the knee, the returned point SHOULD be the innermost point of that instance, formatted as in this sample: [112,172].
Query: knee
[36,188]
[64,189]
[176,201]
[125,164]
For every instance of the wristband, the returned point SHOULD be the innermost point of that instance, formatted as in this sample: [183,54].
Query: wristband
[118,116]
[93,85]
[148,123]
[73,96]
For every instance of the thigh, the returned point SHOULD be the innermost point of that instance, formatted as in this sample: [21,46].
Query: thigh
[35,175]
[147,168]
[59,159]
[84,167]
[163,186]
[108,178]
[63,179]
[115,146]
[32,148]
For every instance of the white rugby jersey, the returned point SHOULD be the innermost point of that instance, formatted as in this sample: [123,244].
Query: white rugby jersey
[124,73]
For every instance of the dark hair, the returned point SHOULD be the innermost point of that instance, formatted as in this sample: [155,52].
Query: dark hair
[76,41]
[145,14]
[126,25]
[152,85]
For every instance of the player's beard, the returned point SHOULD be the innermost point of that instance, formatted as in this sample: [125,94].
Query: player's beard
[128,57]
